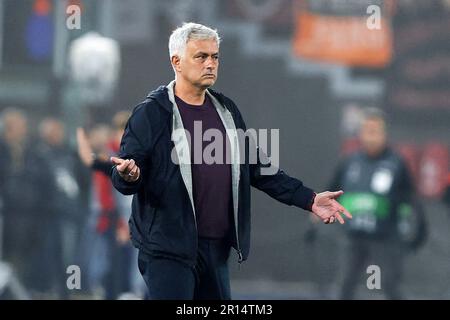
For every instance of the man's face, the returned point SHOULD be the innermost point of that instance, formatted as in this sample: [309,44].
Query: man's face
[199,64]
[53,132]
[373,136]
[99,138]
[15,128]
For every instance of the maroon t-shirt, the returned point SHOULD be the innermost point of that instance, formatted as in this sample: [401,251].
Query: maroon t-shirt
[211,182]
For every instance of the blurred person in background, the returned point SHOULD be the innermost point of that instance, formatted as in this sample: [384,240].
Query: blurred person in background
[63,228]
[380,194]
[124,256]
[133,281]
[26,192]
[98,241]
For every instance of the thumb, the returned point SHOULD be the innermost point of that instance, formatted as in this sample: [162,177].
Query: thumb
[116,160]
[336,194]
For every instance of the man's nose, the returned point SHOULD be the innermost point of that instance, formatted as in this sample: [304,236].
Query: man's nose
[210,63]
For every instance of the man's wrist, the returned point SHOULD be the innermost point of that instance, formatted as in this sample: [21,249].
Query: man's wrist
[311,202]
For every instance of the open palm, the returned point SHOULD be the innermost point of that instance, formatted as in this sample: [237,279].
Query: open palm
[328,209]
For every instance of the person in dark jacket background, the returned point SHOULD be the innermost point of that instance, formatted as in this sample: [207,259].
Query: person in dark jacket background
[26,193]
[188,211]
[381,196]
[124,276]
[62,223]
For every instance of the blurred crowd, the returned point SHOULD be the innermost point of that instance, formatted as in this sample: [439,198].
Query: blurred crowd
[59,209]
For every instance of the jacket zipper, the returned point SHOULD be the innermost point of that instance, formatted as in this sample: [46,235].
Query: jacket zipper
[191,200]
[236,206]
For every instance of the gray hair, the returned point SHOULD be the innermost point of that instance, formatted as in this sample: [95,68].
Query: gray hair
[190,31]
[374,113]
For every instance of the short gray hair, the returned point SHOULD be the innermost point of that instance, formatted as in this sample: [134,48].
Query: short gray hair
[190,31]
[374,113]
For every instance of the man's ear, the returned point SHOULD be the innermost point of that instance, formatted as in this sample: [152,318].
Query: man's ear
[176,63]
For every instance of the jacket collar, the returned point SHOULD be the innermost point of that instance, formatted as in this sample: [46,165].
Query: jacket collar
[164,95]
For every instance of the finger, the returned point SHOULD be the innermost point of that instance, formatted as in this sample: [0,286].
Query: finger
[337,206]
[122,167]
[133,173]
[338,211]
[344,211]
[130,167]
[326,221]
[137,172]
[341,209]
[339,218]
[336,194]
[116,160]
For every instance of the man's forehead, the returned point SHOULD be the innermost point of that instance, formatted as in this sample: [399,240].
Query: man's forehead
[206,45]
[374,122]
[373,125]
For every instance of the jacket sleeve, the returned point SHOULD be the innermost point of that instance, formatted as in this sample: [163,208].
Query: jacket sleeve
[136,144]
[275,182]
[407,190]
[408,196]
[102,166]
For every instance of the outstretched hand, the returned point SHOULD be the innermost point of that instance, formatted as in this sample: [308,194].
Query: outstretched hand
[127,169]
[328,209]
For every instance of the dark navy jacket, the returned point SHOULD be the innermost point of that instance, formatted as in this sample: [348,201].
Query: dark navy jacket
[162,221]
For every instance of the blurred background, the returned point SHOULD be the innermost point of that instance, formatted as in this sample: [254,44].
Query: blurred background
[306,67]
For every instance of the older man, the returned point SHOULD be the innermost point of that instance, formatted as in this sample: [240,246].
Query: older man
[187,214]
